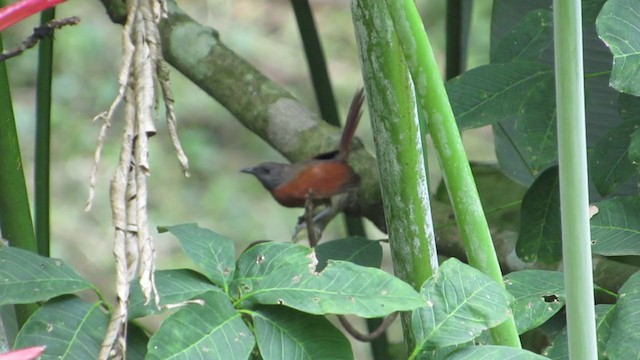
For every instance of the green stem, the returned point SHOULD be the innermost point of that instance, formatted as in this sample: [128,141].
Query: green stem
[454,39]
[398,141]
[15,216]
[432,97]
[574,191]
[316,61]
[43,137]
[597,74]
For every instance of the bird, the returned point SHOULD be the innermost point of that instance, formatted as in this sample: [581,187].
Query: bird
[318,179]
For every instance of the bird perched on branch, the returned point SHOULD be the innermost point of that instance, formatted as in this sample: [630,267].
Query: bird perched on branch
[315,181]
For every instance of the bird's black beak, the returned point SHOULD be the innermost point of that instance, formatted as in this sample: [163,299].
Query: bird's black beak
[248,170]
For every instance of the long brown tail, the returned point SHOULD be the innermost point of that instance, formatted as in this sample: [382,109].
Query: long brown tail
[350,126]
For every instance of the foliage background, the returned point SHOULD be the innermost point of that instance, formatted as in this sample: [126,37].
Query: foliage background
[216,196]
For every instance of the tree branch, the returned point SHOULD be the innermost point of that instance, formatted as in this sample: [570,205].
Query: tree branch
[261,105]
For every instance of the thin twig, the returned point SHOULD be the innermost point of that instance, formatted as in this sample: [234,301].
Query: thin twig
[384,325]
[39,33]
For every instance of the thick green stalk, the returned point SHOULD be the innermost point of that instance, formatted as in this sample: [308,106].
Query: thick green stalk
[43,137]
[398,147]
[574,192]
[432,97]
[15,215]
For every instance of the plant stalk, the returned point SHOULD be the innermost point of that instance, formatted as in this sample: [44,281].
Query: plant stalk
[43,138]
[574,192]
[463,193]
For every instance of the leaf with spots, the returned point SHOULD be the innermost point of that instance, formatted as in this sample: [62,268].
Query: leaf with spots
[214,330]
[69,327]
[212,252]
[625,328]
[462,302]
[262,259]
[341,288]
[490,93]
[540,232]
[559,349]
[615,229]
[26,277]
[618,25]
[174,286]
[280,330]
[539,295]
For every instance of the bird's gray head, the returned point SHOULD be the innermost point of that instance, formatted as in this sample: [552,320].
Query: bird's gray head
[270,174]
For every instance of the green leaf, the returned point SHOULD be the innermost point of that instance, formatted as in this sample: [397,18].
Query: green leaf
[462,302]
[341,288]
[540,232]
[358,250]
[490,93]
[174,286]
[493,352]
[618,25]
[527,40]
[26,277]
[70,328]
[262,259]
[539,295]
[615,229]
[625,329]
[535,126]
[212,252]
[137,342]
[609,162]
[280,330]
[214,330]
[559,349]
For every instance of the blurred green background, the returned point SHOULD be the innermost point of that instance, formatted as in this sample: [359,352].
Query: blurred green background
[217,195]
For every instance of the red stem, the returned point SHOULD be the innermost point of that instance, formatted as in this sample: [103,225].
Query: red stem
[22,9]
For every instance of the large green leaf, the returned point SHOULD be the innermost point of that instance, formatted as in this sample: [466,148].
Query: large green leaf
[611,161]
[535,126]
[358,250]
[539,295]
[559,349]
[618,26]
[601,115]
[461,303]
[540,229]
[341,288]
[625,329]
[174,286]
[615,229]
[212,252]
[281,331]
[490,93]
[493,352]
[260,260]
[70,328]
[527,39]
[214,330]
[26,277]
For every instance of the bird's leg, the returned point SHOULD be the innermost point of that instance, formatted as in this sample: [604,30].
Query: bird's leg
[311,232]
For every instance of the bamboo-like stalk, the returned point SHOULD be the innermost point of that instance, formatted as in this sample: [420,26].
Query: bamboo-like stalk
[574,192]
[433,99]
[43,137]
[15,216]
[398,147]
[455,55]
